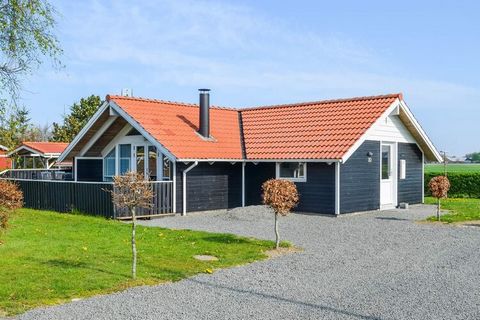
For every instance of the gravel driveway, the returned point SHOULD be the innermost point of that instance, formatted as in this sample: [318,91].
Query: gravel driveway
[379,265]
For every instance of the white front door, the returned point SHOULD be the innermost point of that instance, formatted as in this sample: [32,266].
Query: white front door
[388,176]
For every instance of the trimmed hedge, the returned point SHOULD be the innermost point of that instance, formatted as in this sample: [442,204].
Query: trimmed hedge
[462,184]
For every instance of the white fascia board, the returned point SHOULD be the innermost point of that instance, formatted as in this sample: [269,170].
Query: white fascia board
[259,160]
[33,151]
[97,135]
[84,130]
[422,133]
[395,104]
[142,131]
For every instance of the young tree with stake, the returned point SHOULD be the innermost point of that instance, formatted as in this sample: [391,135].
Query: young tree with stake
[131,191]
[282,197]
[439,187]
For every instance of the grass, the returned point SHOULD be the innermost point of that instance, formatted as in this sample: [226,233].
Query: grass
[459,209]
[454,167]
[49,258]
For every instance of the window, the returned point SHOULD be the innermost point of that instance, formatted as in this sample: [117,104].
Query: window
[293,171]
[140,159]
[125,158]
[109,166]
[167,168]
[152,163]
[386,162]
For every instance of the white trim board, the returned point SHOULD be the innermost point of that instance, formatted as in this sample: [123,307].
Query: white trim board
[397,107]
[84,130]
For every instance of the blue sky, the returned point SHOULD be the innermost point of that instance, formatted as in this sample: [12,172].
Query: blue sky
[268,52]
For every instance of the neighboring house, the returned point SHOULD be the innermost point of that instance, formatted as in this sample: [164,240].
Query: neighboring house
[38,155]
[344,155]
[5,162]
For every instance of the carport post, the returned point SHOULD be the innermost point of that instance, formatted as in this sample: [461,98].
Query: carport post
[243,184]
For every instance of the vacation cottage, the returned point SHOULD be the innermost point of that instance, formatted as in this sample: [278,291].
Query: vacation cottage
[344,155]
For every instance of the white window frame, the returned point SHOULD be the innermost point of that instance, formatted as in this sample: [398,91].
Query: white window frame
[302,179]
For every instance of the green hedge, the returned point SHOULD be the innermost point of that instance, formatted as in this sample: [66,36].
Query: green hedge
[462,184]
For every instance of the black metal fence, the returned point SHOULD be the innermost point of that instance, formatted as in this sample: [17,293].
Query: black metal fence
[91,198]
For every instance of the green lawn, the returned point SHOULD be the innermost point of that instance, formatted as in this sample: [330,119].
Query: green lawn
[48,258]
[454,167]
[459,209]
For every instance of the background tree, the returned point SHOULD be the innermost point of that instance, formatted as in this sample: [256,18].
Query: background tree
[38,132]
[14,126]
[26,38]
[474,156]
[73,122]
[282,197]
[439,187]
[11,199]
[131,191]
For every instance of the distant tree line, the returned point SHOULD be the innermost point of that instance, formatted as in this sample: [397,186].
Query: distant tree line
[473,157]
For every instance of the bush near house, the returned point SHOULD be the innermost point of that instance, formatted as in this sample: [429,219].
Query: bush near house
[462,184]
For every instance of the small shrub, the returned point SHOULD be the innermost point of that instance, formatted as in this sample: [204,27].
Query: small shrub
[11,198]
[439,187]
[282,197]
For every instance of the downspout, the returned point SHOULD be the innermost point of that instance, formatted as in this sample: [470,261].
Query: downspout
[184,182]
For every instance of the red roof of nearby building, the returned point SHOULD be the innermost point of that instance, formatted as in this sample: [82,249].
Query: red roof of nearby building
[314,130]
[45,147]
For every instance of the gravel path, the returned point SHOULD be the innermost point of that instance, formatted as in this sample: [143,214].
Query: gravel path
[380,265]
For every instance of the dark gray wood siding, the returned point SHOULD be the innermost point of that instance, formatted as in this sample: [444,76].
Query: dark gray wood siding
[360,180]
[410,189]
[89,169]
[316,195]
[210,187]
[255,176]
[88,198]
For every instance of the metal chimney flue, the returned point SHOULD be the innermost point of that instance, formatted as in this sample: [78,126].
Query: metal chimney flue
[204,116]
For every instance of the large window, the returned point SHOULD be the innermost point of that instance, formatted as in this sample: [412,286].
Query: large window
[109,166]
[167,168]
[152,163]
[293,171]
[125,158]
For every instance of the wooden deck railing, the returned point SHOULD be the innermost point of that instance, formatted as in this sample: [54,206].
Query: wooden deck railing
[36,174]
[92,198]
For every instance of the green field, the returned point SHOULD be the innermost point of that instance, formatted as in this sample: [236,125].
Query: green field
[48,258]
[454,167]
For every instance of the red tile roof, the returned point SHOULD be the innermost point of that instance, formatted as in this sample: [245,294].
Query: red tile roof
[45,147]
[313,130]
[175,126]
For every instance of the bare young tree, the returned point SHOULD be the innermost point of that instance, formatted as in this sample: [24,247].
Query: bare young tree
[282,197]
[132,191]
[439,187]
